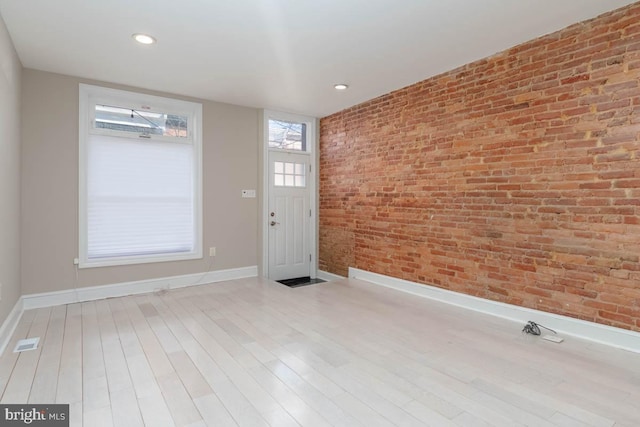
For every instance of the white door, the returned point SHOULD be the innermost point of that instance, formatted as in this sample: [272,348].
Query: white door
[289,214]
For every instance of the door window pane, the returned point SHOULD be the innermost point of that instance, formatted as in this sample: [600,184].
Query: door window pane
[288,174]
[288,168]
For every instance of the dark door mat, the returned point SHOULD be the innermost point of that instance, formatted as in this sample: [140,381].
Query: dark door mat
[300,281]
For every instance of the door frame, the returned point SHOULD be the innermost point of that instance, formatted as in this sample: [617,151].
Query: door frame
[312,148]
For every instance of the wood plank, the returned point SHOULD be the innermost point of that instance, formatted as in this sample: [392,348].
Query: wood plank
[19,385]
[69,388]
[155,411]
[142,377]
[45,382]
[183,410]
[213,411]
[115,364]
[251,352]
[9,358]
[125,411]
[95,390]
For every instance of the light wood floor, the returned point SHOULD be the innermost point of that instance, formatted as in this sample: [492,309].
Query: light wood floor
[346,353]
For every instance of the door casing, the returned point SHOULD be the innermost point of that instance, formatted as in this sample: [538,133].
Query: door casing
[312,144]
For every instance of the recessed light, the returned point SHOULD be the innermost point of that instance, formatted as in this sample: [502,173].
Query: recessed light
[341,86]
[143,38]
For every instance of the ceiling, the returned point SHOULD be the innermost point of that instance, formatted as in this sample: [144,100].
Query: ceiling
[279,54]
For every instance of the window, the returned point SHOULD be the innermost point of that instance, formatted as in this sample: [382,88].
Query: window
[140,178]
[287,135]
[288,174]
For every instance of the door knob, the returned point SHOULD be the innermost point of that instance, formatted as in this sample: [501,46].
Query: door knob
[274,223]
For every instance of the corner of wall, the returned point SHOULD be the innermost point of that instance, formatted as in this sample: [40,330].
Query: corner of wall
[10,173]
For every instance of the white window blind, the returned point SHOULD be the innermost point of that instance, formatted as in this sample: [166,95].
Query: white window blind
[140,178]
[139,197]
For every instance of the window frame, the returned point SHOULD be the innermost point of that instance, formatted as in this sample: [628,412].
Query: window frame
[89,96]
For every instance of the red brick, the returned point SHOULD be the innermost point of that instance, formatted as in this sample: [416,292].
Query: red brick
[616,317]
[512,178]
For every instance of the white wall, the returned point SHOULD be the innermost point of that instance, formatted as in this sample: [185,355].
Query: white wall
[50,189]
[10,75]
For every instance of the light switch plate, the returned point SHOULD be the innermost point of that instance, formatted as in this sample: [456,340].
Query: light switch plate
[248,194]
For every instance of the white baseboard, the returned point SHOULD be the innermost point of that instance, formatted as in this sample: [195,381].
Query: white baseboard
[68,296]
[325,275]
[603,334]
[9,324]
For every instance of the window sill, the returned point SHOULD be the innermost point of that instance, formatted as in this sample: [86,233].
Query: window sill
[113,262]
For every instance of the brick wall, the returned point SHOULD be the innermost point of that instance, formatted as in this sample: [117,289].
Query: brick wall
[515,178]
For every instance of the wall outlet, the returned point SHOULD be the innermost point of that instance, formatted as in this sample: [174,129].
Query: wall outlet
[212,251]
[248,194]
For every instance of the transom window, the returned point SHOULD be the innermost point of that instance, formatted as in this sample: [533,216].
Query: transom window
[140,121]
[287,135]
[140,178]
